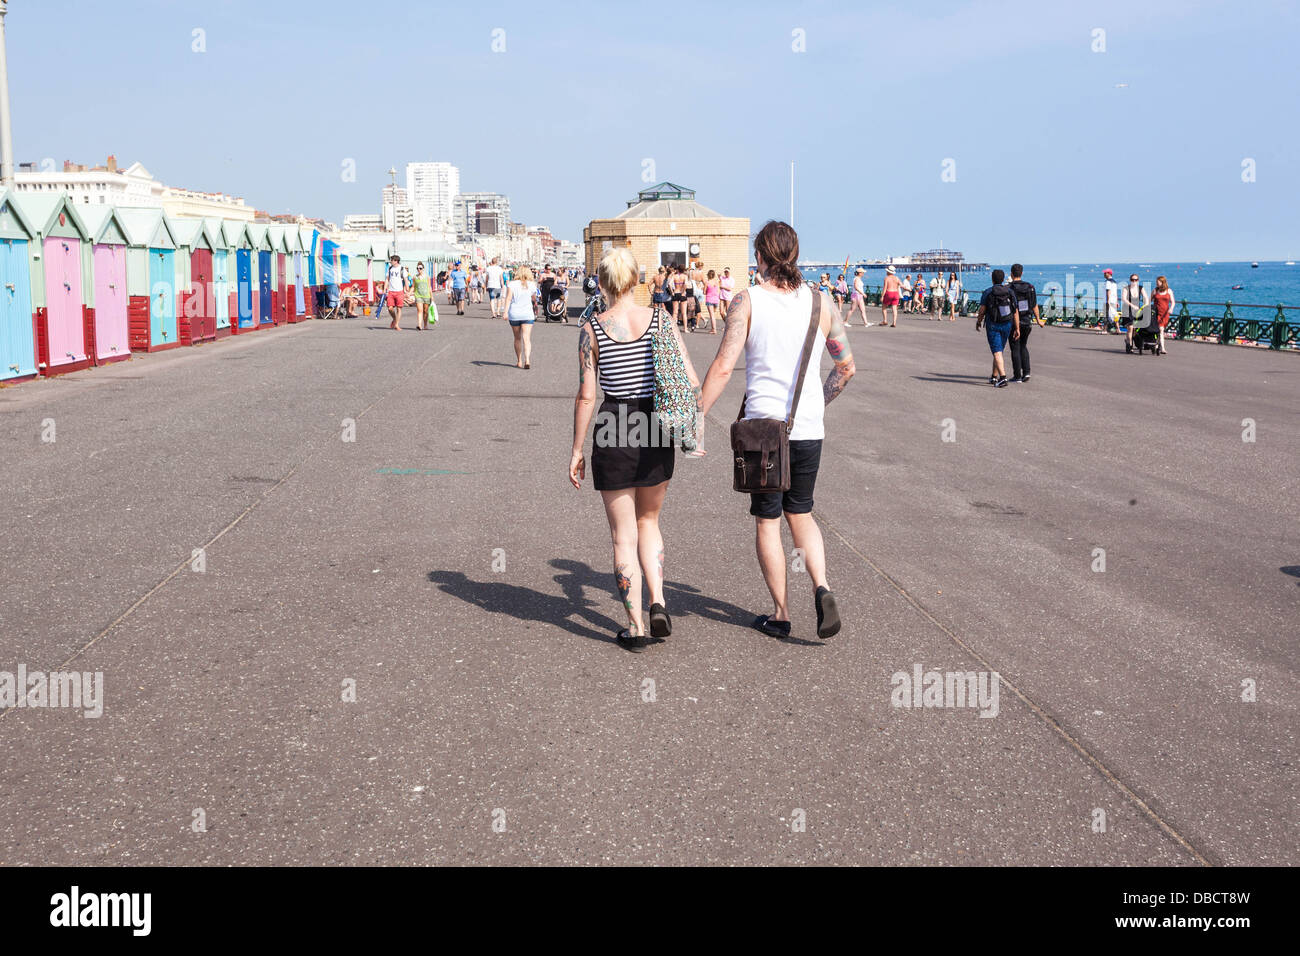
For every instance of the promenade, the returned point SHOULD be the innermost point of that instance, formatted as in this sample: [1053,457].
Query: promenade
[442,562]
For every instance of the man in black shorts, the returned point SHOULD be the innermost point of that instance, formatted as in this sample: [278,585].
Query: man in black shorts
[768,324]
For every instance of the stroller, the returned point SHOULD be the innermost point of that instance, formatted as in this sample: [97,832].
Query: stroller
[553,301]
[1147,335]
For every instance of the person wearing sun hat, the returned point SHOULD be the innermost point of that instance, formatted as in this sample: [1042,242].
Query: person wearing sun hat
[1110,306]
[890,293]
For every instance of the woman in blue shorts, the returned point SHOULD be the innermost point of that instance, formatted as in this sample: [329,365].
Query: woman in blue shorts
[519,312]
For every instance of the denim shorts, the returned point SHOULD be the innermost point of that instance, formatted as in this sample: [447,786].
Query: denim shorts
[805,459]
[999,335]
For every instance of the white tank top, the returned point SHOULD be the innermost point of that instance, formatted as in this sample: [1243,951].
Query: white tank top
[778,322]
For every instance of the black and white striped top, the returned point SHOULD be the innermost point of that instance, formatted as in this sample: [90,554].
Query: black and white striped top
[626,369]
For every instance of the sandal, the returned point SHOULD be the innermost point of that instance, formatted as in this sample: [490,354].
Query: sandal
[770,627]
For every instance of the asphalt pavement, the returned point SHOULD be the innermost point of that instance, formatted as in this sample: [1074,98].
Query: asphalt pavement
[399,647]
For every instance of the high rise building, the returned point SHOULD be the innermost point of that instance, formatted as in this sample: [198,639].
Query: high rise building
[432,188]
[481,213]
[397,207]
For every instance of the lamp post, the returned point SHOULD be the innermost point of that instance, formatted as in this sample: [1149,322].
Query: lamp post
[6,135]
[392,175]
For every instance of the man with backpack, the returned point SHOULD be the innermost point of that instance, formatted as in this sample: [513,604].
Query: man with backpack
[998,309]
[395,283]
[1026,314]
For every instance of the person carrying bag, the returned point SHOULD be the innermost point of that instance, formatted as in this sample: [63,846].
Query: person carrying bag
[761,446]
[676,400]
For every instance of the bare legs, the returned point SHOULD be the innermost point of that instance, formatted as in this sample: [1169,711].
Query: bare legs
[527,336]
[633,515]
[771,556]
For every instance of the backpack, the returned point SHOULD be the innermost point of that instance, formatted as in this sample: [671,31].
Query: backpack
[1002,305]
[1026,297]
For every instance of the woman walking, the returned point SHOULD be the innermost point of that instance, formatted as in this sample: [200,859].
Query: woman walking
[519,312]
[677,286]
[859,300]
[1162,301]
[422,289]
[712,296]
[725,286]
[631,460]
[954,296]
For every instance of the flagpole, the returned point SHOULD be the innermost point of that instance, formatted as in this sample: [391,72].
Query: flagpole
[792,194]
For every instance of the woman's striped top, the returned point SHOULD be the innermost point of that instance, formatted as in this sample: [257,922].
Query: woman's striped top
[626,369]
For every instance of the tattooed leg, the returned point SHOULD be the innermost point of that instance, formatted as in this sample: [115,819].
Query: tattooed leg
[628,579]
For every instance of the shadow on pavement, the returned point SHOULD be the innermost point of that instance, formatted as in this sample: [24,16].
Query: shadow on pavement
[1291,569]
[576,613]
[950,379]
[525,604]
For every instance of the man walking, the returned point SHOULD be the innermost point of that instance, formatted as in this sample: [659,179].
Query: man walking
[1110,307]
[768,324]
[998,309]
[459,282]
[395,290]
[1027,314]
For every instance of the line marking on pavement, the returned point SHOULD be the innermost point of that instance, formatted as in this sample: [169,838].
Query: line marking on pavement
[1037,710]
[242,515]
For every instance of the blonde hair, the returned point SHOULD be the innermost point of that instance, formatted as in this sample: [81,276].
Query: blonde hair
[524,274]
[617,272]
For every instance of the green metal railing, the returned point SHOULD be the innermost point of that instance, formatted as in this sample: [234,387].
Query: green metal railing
[1275,327]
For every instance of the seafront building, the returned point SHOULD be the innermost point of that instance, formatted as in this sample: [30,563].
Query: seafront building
[431,189]
[109,185]
[665,225]
[480,213]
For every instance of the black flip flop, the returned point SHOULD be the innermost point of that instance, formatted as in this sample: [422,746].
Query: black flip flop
[625,639]
[661,625]
[828,614]
[770,627]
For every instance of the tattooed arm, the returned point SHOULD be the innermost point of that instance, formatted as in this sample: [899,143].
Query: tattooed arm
[585,401]
[729,352]
[837,344]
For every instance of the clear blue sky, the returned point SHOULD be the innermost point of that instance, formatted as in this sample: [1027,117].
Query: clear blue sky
[1054,160]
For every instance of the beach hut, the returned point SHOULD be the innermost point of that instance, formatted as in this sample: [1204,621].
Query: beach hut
[264,281]
[293,272]
[307,272]
[278,237]
[17,319]
[241,274]
[150,279]
[104,261]
[222,256]
[64,329]
[196,312]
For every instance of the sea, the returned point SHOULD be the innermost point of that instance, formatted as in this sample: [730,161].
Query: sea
[1271,284]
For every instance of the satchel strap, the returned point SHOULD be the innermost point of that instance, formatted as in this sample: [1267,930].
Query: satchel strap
[814,323]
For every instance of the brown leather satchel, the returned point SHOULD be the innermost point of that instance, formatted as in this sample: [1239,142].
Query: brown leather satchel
[761,446]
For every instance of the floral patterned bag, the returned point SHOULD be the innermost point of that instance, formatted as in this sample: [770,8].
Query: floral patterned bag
[675,401]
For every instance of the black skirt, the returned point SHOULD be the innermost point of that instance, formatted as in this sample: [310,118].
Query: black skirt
[627,448]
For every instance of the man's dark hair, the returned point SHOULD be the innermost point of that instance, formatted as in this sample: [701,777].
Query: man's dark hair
[1017,271]
[778,244]
[998,276]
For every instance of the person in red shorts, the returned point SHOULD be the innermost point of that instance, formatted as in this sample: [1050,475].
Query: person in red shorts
[889,296]
[395,282]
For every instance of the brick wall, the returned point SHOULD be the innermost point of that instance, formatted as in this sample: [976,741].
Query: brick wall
[722,242]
